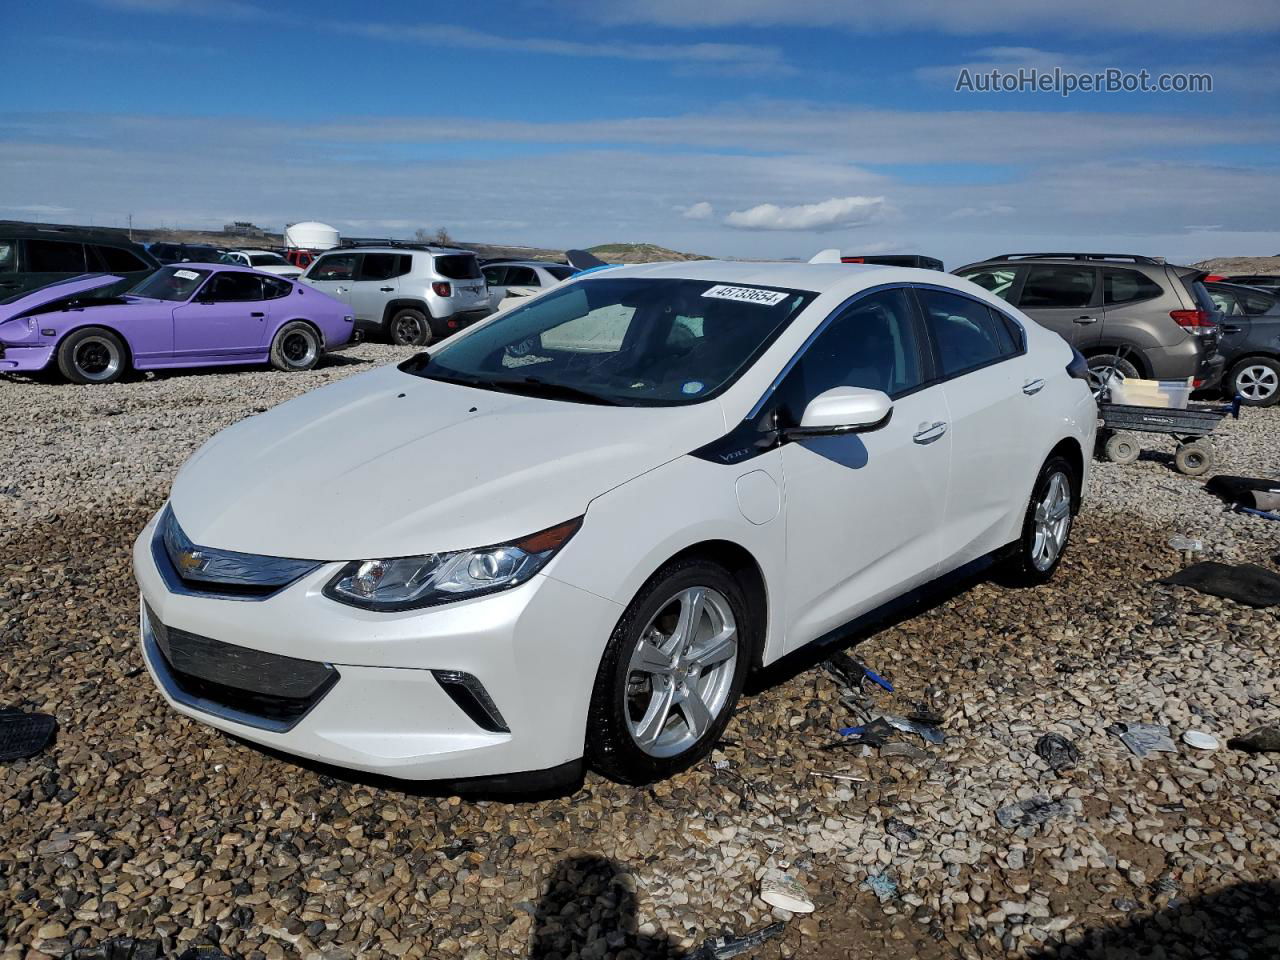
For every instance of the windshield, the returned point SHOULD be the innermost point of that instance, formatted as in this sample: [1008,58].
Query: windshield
[629,341]
[170,283]
[267,260]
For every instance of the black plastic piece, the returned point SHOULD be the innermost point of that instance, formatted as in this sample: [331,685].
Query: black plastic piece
[472,699]
[24,734]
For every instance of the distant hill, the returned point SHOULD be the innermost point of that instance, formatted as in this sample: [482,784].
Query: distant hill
[1267,266]
[640,253]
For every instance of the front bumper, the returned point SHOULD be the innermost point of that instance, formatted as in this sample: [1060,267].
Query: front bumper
[535,650]
[24,358]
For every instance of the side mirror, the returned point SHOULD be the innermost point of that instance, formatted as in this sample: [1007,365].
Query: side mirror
[843,410]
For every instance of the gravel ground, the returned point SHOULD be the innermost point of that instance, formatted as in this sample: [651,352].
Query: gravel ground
[139,822]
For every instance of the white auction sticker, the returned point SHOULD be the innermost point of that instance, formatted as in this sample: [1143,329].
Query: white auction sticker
[769,298]
[186,275]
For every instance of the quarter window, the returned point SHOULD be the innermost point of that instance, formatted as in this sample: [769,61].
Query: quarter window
[1058,287]
[1126,286]
[55,256]
[966,334]
[873,344]
[274,288]
[337,267]
[233,286]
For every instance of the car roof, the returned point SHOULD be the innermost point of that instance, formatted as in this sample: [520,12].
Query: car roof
[9,232]
[524,263]
[372,248]
[816,277]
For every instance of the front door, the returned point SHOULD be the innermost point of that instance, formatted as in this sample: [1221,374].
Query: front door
[226,319]
[333,274]
[863,509]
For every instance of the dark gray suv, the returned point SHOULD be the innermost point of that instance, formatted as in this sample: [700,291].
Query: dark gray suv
[1144,316]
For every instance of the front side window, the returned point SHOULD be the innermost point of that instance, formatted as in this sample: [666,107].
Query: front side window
[267,260]
[54,256]
[522,277]
[614,341]
[379,266]
[116,260]
[233,286]
[1127,286]
[1058,287]
[458,266]
[966,334]
[998,280]
[340,266]
[873,344]
[176,283]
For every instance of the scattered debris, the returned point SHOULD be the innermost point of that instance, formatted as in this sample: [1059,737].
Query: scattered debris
[1245,583]
[899,830]
[1200,740]
[873,734]
[785,892]
[831,775]
[1265,739]
[927,732]
[854,674]
[1058,752]
[24,734]
[1187,544]
[882,885]
[132,948]
[1252,492]
[727,946]
[1143,738]
[1031,812]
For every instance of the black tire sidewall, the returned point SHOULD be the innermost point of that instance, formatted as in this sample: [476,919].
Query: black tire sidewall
[1123,366]
[66,351]
[1025,569]
[1254,362]
[424,337]
[610,749]
[280,361]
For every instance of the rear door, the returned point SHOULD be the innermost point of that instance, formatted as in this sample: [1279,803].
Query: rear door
[376,282]
[44,261]
[227,318]
[333,274]
[1067,299]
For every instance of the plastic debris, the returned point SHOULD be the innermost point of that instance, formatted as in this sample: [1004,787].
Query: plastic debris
[24,734]
[899,830]
[1258,740]
[785,892]
[1144,738]
[1200,740]
[1031,812]
[873,734]
[927,732]
[725,947]
[1187,544]
[1058,752]
[853,673]
[1245,583]
[882,885]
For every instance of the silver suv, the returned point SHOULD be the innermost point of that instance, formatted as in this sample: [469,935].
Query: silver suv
[1139,314]
[407,293]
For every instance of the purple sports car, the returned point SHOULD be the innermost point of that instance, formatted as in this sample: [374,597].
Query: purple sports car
[183,315]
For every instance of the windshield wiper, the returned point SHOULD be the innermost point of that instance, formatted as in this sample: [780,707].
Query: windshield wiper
[537,387]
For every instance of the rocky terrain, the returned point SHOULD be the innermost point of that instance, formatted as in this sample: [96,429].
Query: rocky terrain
[1267,266]
[138,822]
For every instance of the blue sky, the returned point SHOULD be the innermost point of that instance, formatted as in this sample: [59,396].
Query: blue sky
[747,128]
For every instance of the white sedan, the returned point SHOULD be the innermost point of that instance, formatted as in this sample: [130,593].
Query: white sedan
[510,279]
[567,535]
[263,260]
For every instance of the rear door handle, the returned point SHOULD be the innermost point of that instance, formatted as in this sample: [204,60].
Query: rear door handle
[1084,321]
[1229,328]
[257,313]
[386,289]
[1032,387]
[929,432]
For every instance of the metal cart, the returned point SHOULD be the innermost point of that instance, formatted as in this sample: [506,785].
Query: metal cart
[1190,427]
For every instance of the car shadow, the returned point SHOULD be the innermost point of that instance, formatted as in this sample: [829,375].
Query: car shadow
[589,899]
[1239,921]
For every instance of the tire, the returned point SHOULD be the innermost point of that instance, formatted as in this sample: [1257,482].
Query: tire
[1122,448]
[409,328]
[296,347]
[1104,361]
[1194,459]
[92,355]
[641,725]
[1256,381]
[1046,528]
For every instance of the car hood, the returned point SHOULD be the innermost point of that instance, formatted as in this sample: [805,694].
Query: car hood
[55,291]
[389,464]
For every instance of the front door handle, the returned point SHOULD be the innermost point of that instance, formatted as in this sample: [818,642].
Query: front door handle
[1032,387]
[257,313]
[1084,321]
[341,289]
[929,432]
[386,289]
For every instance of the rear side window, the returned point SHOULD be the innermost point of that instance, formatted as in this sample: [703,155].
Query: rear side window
[337,267]
[233,286]
[273,288]
[379,266]
[998,280]
[116,260]
[1058,287]
[1226,302]
[8,256]
[1127,286]
[966,334]
[55,256]
[458,266]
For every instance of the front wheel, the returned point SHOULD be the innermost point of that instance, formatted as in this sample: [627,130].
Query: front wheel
[296,347]
[1194,459]
[1047,524]
[1256,381]
[92,355]
[671,674]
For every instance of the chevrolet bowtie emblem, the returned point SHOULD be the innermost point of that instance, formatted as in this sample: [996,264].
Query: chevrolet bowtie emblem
[190,561]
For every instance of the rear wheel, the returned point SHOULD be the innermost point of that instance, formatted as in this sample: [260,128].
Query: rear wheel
[1122,448]
[1047,524]
[296,347]
[1194,459]
[92,355]
[409,328]
[1256,381]
[1100,367]
[671,674]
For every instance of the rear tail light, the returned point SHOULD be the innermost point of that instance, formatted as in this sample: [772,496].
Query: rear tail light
[1199,322]
[442,289]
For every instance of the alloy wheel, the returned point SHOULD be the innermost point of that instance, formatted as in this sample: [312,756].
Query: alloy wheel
[298,348]
[1052,522]
[408,330]
[96,358]
[1257,382]
[681,672]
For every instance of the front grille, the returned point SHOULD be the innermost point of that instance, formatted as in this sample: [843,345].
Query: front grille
[259,689]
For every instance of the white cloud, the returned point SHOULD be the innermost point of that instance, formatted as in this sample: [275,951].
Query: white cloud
[986,210]
[698,211]
[827,215]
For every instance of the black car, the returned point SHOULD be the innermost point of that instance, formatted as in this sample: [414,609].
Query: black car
[1250,341]
[33,256]
[168,253]
[1262,281]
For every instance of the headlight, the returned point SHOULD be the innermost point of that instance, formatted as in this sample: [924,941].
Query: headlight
[406,583]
